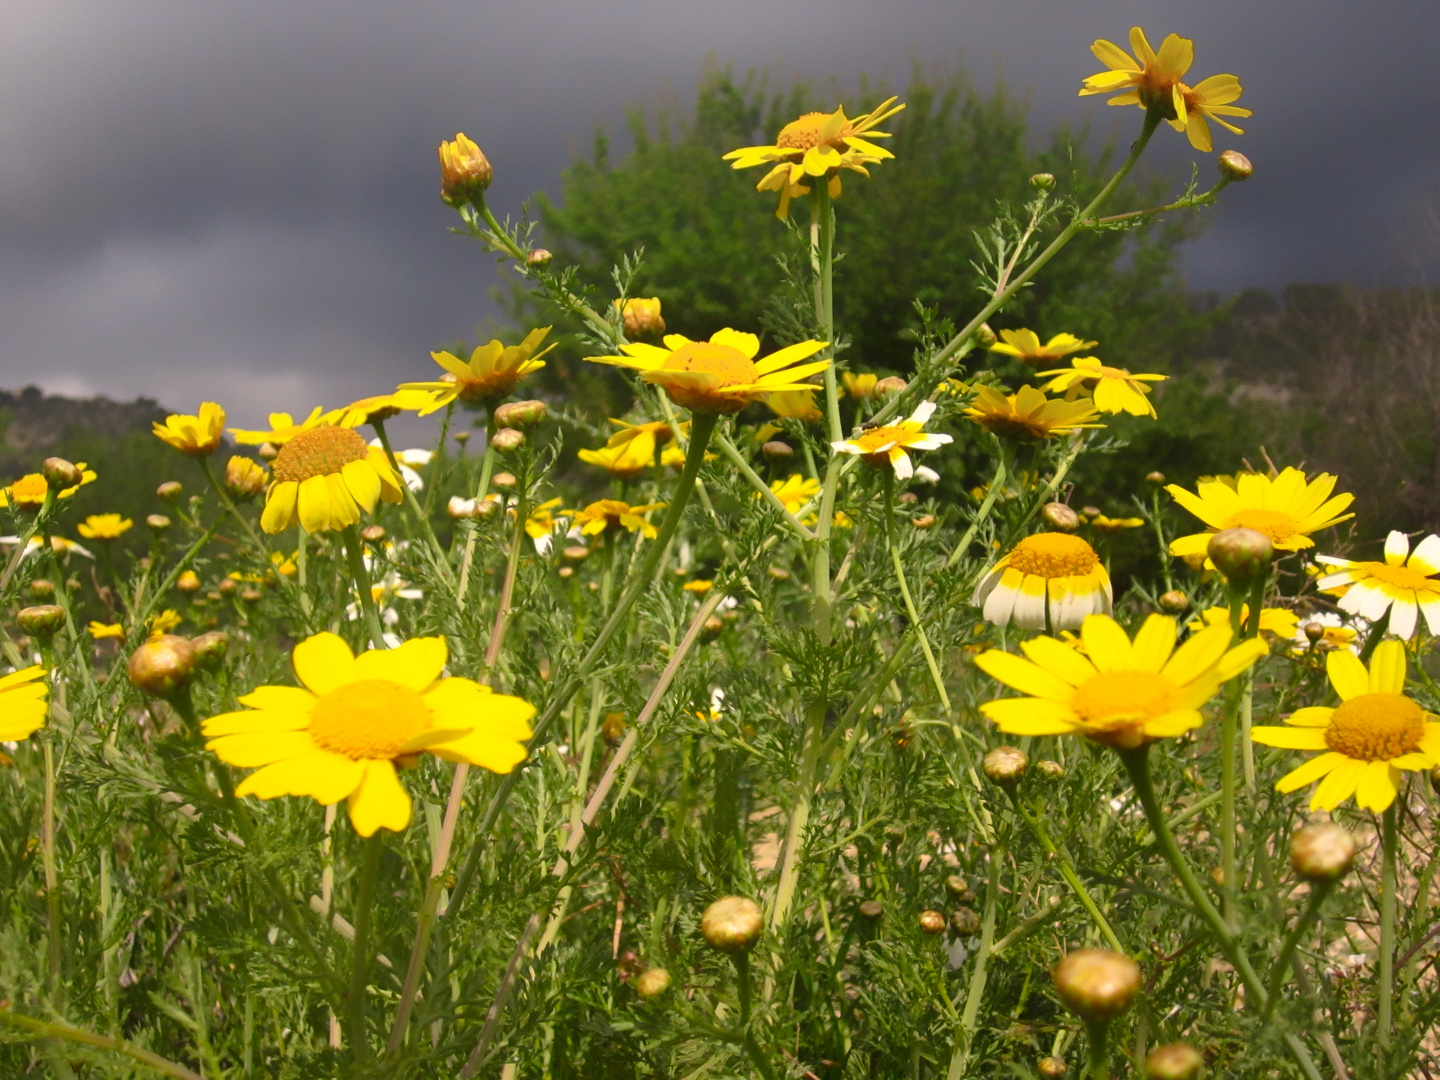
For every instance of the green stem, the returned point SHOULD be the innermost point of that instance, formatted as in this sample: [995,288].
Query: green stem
[910,610]
[353,551]
[761,488]
[52,877]
[1067,871]
[171,578]
[1318,892]
[360,957]
[55,1030]
[1098,1053]
[1390,843]
[799,814]
[487,465]
[1229,723]
[1002,465]
[969,1019]
[1157,519]
[422,519]
[1376,635]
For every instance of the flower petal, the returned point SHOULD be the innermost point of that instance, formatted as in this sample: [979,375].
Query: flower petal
[325,777]
[380,802]
[1290,738]
[1347,674]
[1024,676]
[1154,643]
[1311,771]
[1106,644]
[415,664]
[1059,659]
[324,662]
[1387,668]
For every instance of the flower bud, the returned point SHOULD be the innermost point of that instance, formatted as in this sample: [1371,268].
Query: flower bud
[1174,602]
[1043,182]
[228,587]
[613,727]
[373,534]
[507,440]
[251,595]
[956,885]
[1156,478]
[732,924]
[521,415]
[984,337]
[163,665]
[463,437]
[575,553]
[158,522]
[891,384]
[42,589]
[1052,1068]
[779,573]
[539,257]
[1095,984]
[268,451]
[711,628]
[965,922]
[210,649]
[566,571]
[464,171]
[1322,852]
[189,581]
[505,480]
[1176,1061]
[1241,555]
[1234,166]
[41,621]
[244,478]
[923,521]
[652,983]
[60,474]
[1090,511]
[1314,632]
[1005,766]
[641,317]
[932,922]
[1061,517]
[1051,770]
[871,909]
[170,490]
[777,451]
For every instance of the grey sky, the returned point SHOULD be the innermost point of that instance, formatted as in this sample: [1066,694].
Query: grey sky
[238,200]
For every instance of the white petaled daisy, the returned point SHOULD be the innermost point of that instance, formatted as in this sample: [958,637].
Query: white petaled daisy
[879,445]
[1404,583]
[1054,570]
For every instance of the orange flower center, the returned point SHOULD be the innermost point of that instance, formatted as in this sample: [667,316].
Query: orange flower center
[1376,727]
[730,366]
[804,133]
[1054,555]
[369,720]
[1276,524]
[318,452]
[1399,577]
[872,440]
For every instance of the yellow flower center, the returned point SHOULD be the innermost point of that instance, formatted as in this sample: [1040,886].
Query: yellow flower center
[1122,699]
[1276,524]
[1376,727]
[730,366]
[1053,555]
[872,440]
[1399,577]
[369,720]
[804,133]
[318,452]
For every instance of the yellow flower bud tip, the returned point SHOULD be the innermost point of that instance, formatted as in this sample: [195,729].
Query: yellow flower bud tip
[210,649]
[244,478]
[189,581]
[1235,166]
[641,317]
[1095,984]
[1156,478]
[923,521]
[170,490]
[1051,770]
[965,922]
[871,909]
[521,415]
[1059,516]
[1322,852]
[613,727]
[60,474]
[504,479]
[508,440]
[373,534]
[538,257]
[652,983]
[1173,602]
[1043,182]
[158,522]
[1052,1068]
[732,924]
[711,628]
[1241,555]
[777,451]
[1005,766]
[891,384]
[1175,1061]
[42,621]
[932,922]
[465,172]
[984,337]
[163,665]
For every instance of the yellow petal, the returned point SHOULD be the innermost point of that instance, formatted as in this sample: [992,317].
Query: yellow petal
[1024,676]
[380,802]
[1311,771]
[1059,659]
[325,777]
[313,503]
[1347,674]
[1387,668]
[1200,653]
[1338,786]
[1317,716]
[1171,724]
[1030,716]
[255,720]
[1106,644]
[1290,738]
[748,344]
[279,513]
[255,748]
[415,664]
[1154,643]
[363,482]
[324,662]
[1376,789]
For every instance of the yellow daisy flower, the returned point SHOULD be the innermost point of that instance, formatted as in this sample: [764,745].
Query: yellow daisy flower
[382,407]
[641,316]
[1114,390]
[283,427]
[1148,79]
[1120,693]
[720,375]
[100,631]
[817,144]
[491,372]
[611,515]
[28,493]
[1278,621]
[699,585]
[1025,345]
[1208,100]
[104,526]
[657,432]
[1115,525]
[197,436]
[542,520]
[355,718]
[887,444]
[164,622]
[1029,415]
[861,386]
[795,491]
[794,404]
[22,703]
[1286,509]
[1374,733]
[1057,569]
[324,478]
[625,461]
[1404,584]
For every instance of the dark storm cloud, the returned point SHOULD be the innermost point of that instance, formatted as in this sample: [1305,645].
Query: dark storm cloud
[238,200]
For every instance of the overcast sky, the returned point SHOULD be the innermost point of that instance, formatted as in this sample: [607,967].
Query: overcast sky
[237,200]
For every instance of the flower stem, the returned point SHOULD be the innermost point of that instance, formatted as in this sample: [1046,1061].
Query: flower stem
[1389,843]
[969,1019]
[1067,871]
[799,814]
[1098,1053]
[360,958]
[422,519]
[487,466]
[1318,892]
[52,877]
[761,488]
[1229,723]
[362,585]
[55,1030]
[1002,465]
[910,610]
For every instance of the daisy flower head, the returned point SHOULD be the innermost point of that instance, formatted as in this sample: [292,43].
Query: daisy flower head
[794,404]
[1024,345]
[814,146]
[196,436]
[491,373]
[796,491]
[22,703]
[541,521]
[465,171]
[623,462]
[1404,584]
[101,631]
[1029,415]
[353,719]
[1052,579]
[1110,525]
[323,478]
[1374,734]
[1118,692]
[1113,389]
[720,375]
[860,386]
[887,444]
[1281,622]
[1148,79]
[611,515]
[104,527]
[381,407]
[1287,509]
[283,427]
[1209,99]
[28,493]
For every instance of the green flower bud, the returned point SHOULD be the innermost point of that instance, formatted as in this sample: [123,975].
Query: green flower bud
[1234,166]
[1005,766]
[1177,1061]
[932,922]
[60,474]
[163,665]
[1322,852]
[652,983]
[1241,555]
[1043,182]
[41,621]
[1095,984]
[732,924]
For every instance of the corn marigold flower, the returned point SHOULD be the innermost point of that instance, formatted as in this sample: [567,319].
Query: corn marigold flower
[625,461]
[245,478]
[1024,345]
[859,386]
[465,172]
[163,623]
[197,436]
[381,407]
[341,734]
[101,631]
[1050,569]
[1119,692]
[1287,509]
[641,316]
[1115,525]
[28,493]
[283,427]
[1374,734]
[720,375]
[104,527]
[888,444]
[1148,79]
[1113,389]
[699,585]
[188,582]
[817,145]
[1208,100]
[611,515]
[795,491]
[1281,622]
[22,703]
[1029,415]
[542,521]
[60,545]
[492,371]
[1404,584]
[324,478]
[794,404]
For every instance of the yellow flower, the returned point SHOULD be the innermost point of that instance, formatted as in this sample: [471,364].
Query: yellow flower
[491,372]
[382,407]
[1278,621]
[817,144]
[721,375]
[860,387]
[1114,390]
[103,526]
[1374,733]
[284,565]
[887,444]
[541,521]
[22,703]
[1025,345]
[245,478]
[283,427]
[1404,584]
[1149,80]
[1029,415]
[1208,100]
[625,461]
[465,172]
[1115,525]
[164,622]
[795,492]
[324,478]
[100,631]
[198,436]
[611,515]
[794,404]
[356,718]
[1057,566]
[641,316]
[189,581]
[698,586]
[1286,509]
[1120,693]
[28,493]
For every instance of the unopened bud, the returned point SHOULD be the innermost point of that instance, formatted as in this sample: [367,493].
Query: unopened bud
[575,553]
[189,581]
[1176,1061]
[652,983]
[158,522]
[372,534]
[521,415]
[566,571]
[170,490]
[1235,166]
[228,587]
[1314,632]
[1095,984]
[268,451]
[1051,770]
[984,336]
[1322,852]
[1174,602]
[1241,555]
[538,257]
[1052,1068]
[504,479]
[777,451]
[641,317]
[965,922]
[1090,511]
[464,171]
[923,521]
[507,440]
[41,621]
[1157,478]
[956,885]
[779,573]
[463,437]
[711,628]
[210,649]
[932,922]
[244,478]
[613,727]
[871,909]
[1059,516]
[251,595]
[891,384]
[60,474]
[1043,182]
[163,665]
[42,589]
[1005,766]
[732,924]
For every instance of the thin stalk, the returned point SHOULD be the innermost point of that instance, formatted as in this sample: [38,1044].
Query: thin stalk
[761,488]
[422,519]
[44,1029]
[1318,892]
[752,1047]
[1390,844]
[910,610]
[1229,724]
[1002,464]
[362,585]
[487,466]
[799,815]
[1157,520]
[1098,1052]
[969,1019]
[1067,871]
[360,957]
[52,877]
